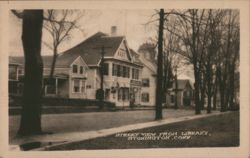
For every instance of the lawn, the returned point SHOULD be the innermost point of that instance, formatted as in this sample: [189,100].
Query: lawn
[214,131]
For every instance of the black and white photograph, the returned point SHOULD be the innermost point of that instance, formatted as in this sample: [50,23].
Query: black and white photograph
[124,79]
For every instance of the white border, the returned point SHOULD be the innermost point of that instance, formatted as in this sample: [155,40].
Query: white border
[229,152]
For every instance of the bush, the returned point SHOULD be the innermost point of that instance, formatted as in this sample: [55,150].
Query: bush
[52,101]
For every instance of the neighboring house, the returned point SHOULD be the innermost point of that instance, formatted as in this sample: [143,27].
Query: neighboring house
[15,72]
[184,93]
[148,82]
[122,72]
[69,78]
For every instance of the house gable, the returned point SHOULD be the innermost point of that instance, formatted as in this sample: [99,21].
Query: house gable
[123,52]
[188,86]
[79,61]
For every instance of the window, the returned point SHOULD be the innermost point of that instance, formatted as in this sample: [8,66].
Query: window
[76,86]
[105,69]
[13,73]
[135,73]
[20,88]
[119,94]
[20,71]
[172,98]
[145,97]
[124,71]
[123,94]
[50,89]
[128,72]
[145,82]
[120,71]
[114,70]
[88,86]
[75,68]
[81,69]
[186,94]
[83,86]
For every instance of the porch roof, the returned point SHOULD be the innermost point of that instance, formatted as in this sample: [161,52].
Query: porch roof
[60,76]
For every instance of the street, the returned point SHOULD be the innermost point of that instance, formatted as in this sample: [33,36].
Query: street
[75,122]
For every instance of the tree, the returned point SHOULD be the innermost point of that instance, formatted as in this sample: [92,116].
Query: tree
[31,38]
[228,58]
[173,62]
[214,19]
[60,24]
[33,21]
[192,32]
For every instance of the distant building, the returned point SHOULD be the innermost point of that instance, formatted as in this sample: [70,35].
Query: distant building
[184,93]
[15,72]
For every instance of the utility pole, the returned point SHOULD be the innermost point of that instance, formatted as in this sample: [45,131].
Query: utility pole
[100,92]
[101,68]
[159,92]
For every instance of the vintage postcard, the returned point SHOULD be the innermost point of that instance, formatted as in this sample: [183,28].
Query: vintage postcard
[124,79]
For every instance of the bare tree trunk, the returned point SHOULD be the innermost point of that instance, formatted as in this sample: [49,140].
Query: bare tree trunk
[176,90]
[32,94]
[215,91]
[222,90]
[53,64]
[159,92]
[196,92]
[195,62]
[232,87]
[215,99]
[209,84]
[202,90]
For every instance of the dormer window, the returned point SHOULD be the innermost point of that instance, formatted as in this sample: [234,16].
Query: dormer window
[81,69]
[75,68]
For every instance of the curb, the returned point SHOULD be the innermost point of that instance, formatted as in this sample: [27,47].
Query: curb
[111,131]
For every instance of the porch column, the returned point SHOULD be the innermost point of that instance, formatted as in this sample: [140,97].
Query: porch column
[56,85]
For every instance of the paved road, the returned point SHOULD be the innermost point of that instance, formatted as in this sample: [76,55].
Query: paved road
[77,122]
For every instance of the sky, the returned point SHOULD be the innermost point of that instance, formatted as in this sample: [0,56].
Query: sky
[130,23]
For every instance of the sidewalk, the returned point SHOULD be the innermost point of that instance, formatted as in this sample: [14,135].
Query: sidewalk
[65,138]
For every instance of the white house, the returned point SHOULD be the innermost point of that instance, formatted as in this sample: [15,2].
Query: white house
[122,72]
[148,81]
[69,78]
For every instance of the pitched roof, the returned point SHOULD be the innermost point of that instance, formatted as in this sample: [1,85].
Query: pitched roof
[136,57]
[182,84]
[61,61]
[149,64]
[14,61]
[90,49]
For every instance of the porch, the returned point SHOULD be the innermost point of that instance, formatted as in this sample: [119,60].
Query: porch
[58,86]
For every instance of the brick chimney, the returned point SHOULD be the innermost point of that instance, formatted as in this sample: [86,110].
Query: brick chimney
[113,31]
